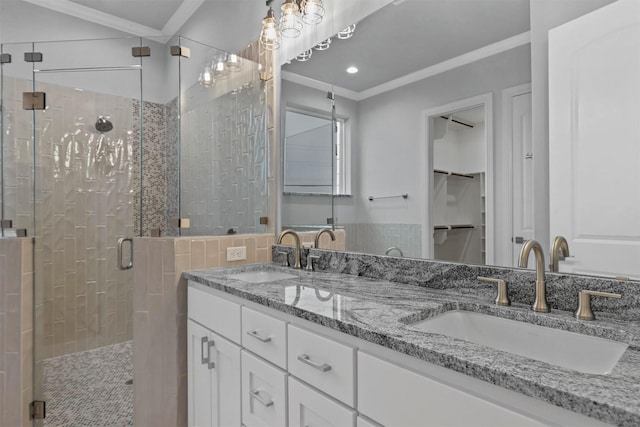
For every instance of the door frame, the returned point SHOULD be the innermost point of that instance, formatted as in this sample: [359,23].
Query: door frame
[507,159]
[486,101]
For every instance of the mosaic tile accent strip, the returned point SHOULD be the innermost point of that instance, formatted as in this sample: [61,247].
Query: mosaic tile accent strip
[172,142]
[89,388]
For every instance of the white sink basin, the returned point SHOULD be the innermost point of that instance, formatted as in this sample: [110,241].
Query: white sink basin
[570,350]
[261,276]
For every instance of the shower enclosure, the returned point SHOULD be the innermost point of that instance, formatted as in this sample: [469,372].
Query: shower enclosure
[104,140]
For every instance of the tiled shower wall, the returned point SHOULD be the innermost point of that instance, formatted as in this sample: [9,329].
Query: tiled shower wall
[224,159]
[377,238]
[16,331]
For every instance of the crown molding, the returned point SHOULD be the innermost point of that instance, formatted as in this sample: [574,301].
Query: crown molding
[186,9]
[450,64]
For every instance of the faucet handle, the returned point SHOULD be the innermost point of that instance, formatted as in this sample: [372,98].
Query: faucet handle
[584,311]
[503,290]
[285,261]
[310,259]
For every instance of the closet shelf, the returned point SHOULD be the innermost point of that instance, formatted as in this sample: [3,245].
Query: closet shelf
[453,227]
[463,175]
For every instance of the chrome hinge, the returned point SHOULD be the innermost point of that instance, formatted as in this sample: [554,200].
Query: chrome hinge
[185,52]
[33,57]
[264,220]
[34,101]
[518,240]
[38,410]
[140,51]
[5,58]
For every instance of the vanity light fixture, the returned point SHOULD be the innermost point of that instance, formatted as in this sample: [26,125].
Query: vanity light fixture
[290,19]
[352,70]
[304,56]
[233,62]
[270,33]
[323,45]
[312,11]
[206,77]
[347,33]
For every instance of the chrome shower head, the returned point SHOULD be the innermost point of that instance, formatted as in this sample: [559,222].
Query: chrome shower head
[103,124]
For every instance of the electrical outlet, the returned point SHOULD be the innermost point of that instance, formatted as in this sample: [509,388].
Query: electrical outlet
[238,253]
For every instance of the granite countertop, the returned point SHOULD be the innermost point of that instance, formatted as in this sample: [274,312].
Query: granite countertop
[382,312]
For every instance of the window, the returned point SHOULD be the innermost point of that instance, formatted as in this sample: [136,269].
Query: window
[313,162]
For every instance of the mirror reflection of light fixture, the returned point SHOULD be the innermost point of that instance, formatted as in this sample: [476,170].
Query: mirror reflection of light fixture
[312,11]
[323,45]
[206,77]
[347,33]
[270,33]
[304,56]
[219,70]
[290,19]
[233,62]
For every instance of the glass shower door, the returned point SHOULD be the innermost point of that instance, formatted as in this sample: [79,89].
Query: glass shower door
[87,166]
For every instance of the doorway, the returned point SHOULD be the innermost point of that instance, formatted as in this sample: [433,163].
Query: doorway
[458,223]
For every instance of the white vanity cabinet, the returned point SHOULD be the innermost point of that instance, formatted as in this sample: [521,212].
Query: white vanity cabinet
[274,369]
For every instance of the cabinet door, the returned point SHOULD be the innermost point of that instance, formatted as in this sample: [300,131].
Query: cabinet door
[309,408]
[264,393]
[225,373]
[394,396]
[199,376]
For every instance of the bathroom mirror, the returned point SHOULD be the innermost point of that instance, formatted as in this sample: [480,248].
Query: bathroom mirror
[414,57]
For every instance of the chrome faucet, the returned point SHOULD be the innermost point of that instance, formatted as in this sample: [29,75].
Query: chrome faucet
[540,303]
[316,243]
[559,251]
[297,238]
[394,248]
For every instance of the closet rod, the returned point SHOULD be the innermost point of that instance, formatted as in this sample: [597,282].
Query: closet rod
[457,121]
[464,175]
[404,196]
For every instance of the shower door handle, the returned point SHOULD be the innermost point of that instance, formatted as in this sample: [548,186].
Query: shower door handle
[120,245]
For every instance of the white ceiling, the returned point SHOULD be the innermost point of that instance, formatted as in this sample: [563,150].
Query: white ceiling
[404,37]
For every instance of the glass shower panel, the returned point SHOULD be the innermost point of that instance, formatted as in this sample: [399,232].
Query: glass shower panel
[223,154]
[87,163]
[16,140]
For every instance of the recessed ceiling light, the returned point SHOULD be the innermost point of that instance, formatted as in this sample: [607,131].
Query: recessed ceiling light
[352,70]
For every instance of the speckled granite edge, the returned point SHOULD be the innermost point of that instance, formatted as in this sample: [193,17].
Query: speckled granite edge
[380,307]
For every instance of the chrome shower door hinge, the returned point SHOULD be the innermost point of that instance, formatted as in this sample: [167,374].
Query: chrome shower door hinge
[32,57]
[140,51]
[38,410]
[34,101]
[6,223]
[5,58]
[184,52]
[264,220]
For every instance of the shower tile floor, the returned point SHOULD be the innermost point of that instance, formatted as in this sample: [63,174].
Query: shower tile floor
[89,388]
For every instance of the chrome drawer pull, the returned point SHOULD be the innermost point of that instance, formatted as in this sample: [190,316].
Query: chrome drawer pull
[321,367]
[256,396]
[203,342]
[255,335]
[211,363]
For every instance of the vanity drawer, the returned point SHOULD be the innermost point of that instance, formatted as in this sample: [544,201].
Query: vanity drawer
[265,336]
[264,393]
[323,363]
[214,313]
[308,407]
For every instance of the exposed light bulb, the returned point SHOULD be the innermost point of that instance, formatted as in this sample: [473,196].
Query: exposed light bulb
[233,62]
[206,77]
[270,33]
[219,70]
[290,19]
[312,11]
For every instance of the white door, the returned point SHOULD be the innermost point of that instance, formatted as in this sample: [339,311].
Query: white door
[522,161]
[225,398]
[199,394]
[594,125]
